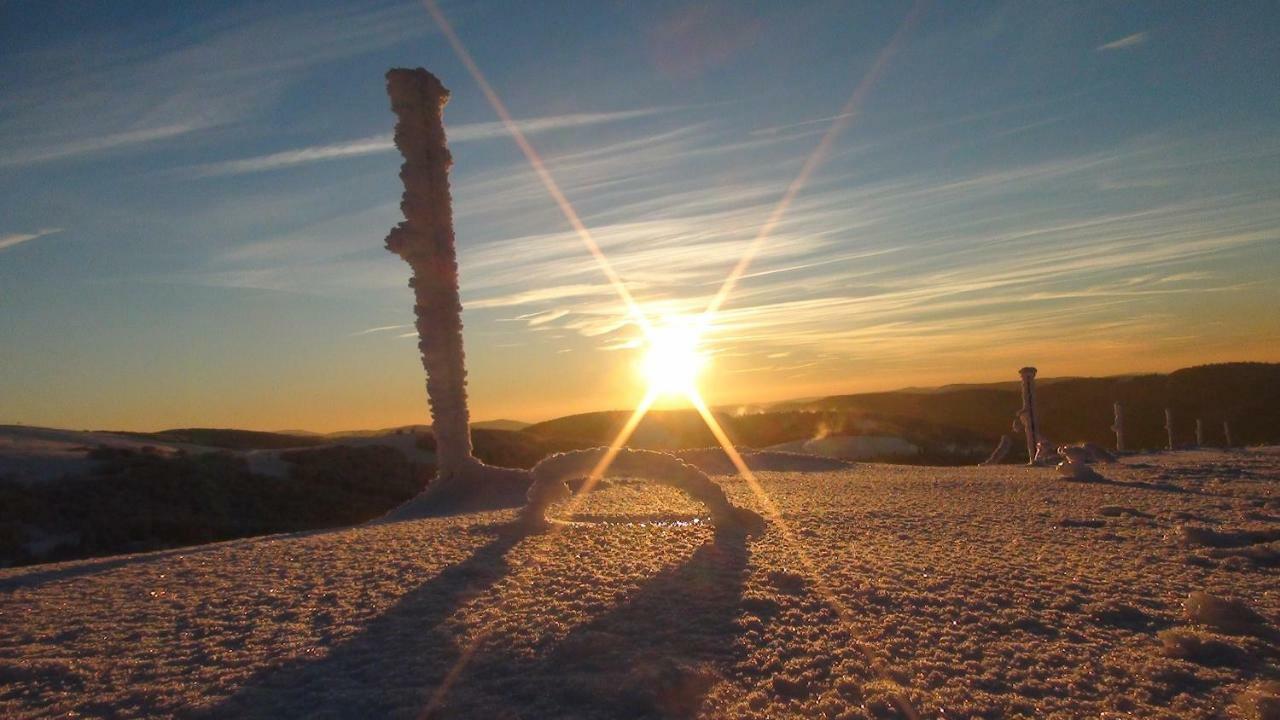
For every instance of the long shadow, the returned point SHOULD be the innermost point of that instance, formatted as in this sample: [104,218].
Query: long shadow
[33,576]
[395,661]
[1156,486]
[656,655]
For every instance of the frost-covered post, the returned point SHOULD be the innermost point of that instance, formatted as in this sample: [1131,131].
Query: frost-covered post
[1028,412]
[1226,432]
[1199,433]
[1168,426]
[1117,426]
[425,241]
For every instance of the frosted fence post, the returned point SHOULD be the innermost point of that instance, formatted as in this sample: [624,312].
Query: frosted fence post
[425,240]
[1168,426]
[1028,412]
[1226,432]
[1118,427]
[1199,433]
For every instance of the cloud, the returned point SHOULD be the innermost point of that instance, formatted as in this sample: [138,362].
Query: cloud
[545,294]
[382,328]
[382,143]
[94,145]
[775,129]
[913,269]
[543,318]
[1125,42]
[302,156]
[900,267]
[15,239]
[125,88]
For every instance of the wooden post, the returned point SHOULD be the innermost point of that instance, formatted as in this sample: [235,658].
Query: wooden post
[1226,432]
[1168,426]
[1028,412]
[1118,427]
[1199,433]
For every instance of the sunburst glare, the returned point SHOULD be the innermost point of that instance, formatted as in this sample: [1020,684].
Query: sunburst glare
[674,357]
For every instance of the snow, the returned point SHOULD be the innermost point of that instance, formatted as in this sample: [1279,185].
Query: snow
[851,447]
[37,454]
[999,591]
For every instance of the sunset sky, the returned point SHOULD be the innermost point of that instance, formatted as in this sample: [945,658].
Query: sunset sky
[194,196]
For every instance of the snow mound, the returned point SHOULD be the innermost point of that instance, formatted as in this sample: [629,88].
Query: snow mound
[550,476]
[1199,536]
[1260,701]
[1230,616]
[1184,643]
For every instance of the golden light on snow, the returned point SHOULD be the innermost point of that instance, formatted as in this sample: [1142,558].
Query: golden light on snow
[673,358]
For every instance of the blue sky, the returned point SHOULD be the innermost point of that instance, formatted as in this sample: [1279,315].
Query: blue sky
[193,199]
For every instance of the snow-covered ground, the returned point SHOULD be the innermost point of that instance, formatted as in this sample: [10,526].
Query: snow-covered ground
[965,592]
[851,447]
[36,454]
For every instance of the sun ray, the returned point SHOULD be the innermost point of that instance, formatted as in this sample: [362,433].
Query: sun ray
[700,325]
[539,167]
[815,159]
[615,447]
[597,472]
[828,596]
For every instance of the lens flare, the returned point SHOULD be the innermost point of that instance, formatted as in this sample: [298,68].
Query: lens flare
[673,358]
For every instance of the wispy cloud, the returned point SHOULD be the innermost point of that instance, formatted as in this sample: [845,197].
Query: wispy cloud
[382,142]
[15,239]
[124,89]
[301,156]
[913,269]
[773,130]
[1127,41]
[382,328]
[94,145]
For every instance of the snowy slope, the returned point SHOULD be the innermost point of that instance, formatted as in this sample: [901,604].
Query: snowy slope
[36,454]
[851,447]
[992,592]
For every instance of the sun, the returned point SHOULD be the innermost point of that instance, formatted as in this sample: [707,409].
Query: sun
[673,358]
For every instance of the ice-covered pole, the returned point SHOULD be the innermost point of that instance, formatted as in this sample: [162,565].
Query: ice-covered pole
[1168,426]
[1117,426]
[1226,432]
[1199,433]
[1028,412]
[425,241]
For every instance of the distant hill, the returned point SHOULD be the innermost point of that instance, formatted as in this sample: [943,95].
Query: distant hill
[499,424]
[1245,394]
[229,439]
[951,422]
[684,429]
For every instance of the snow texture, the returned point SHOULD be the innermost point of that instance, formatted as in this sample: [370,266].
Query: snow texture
[992,592]
[550,476]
